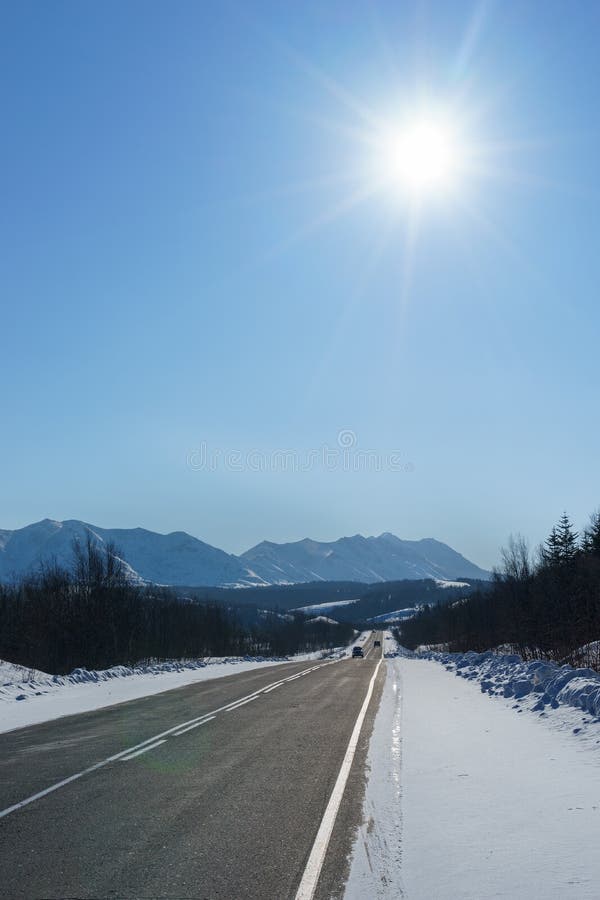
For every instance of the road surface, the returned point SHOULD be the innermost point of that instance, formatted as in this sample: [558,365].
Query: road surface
[215,790]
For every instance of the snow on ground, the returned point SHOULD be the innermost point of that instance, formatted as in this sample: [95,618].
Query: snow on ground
[426,648]
[323,607]
[397,615]
[13,672]
[564,697]
[588,655]
[270,613]
[468,799]
[28,697]
[29,702]
[391,647]
[451,584]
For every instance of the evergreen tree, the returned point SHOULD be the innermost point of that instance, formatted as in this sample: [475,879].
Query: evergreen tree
[567,541]
[550,550]
[590,542]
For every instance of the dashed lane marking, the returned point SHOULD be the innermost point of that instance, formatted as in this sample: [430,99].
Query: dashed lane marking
[154,741]
[195,725]
[143,750]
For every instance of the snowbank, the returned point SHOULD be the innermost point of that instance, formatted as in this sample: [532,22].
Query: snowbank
[29,701]
[33,682]
[539,686]
[425,648]
[13,672]
[392,649]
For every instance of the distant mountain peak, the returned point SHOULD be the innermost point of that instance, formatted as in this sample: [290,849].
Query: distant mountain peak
[358,558]
[178,558]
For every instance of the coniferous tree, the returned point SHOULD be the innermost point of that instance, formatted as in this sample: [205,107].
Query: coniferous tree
[590,542]
[550,610]
[567,541]
[550,549]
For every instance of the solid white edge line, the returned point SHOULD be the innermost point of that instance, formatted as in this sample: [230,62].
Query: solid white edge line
[143,750]
[314,865]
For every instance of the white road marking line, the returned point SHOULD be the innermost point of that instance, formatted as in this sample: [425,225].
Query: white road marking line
[300,674]
[291,678]
[55,787]
[314,865]
[129,750]
[65,781]
[195,725]
[242,703]
[143,750]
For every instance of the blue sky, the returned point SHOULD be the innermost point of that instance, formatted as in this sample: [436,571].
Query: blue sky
[185,264]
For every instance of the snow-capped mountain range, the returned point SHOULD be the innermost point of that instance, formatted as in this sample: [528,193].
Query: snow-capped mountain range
[180,559]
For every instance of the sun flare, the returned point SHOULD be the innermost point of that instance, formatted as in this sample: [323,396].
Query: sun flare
[422,157]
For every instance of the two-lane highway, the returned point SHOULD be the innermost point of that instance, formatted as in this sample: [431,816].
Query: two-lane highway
[216,790]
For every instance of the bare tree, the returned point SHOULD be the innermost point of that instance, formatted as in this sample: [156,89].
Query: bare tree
[516,558]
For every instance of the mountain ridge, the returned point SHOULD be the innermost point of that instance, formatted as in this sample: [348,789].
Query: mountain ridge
[178,558]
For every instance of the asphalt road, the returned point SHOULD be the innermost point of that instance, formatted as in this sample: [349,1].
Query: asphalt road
[219,801]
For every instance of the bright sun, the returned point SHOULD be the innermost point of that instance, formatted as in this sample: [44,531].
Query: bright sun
[420,158]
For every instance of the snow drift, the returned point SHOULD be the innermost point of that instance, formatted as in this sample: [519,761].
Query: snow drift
[546,684]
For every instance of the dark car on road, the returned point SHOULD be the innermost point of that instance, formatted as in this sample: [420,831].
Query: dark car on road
[357,651]
[377,643]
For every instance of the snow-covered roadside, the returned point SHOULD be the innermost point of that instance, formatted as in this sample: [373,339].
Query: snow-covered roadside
[28,697]
[376,865]
[9,673]
[467,799]
[31,702]
[391,647]
[563,697]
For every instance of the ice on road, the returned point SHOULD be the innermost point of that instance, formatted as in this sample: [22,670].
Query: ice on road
[469,799]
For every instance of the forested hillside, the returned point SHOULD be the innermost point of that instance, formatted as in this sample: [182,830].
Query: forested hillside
[347,601]
[93,616]
[542,605]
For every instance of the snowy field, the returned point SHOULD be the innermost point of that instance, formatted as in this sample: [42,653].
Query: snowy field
[28,697]
[324,607]
[473,797]
[396,615]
